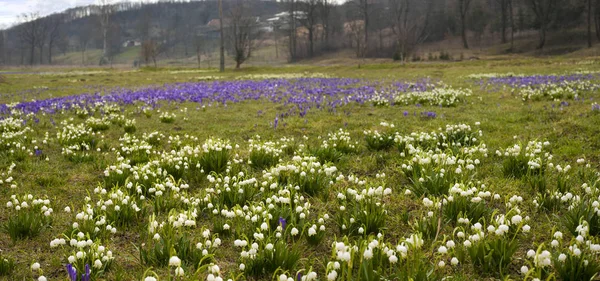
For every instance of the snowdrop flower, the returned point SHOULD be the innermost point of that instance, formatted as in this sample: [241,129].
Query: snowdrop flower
[441,264]
[562,257]
[524,269]
[516,219]
[150,278]
[442,250]
[179,272]
[558,235]
[454,261]
[35,266]
[42,278]
[368,254]
[174,261]
[332,275]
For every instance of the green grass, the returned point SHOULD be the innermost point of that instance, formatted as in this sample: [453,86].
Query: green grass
[573,133]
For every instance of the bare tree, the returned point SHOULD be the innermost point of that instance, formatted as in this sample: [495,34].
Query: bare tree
[293,32]
[242,32]
[544,11]
[463,10]
[355,30]
[597,18]
[84,39]
[221,39]
[28,33]
[198,44]
[589,23]
[310,20]
[363,8]
[114,41]
[149,51]
[512,25]
[324,14]
[504,6]
[409,25]
[2,47]
[54,33]
[106,9]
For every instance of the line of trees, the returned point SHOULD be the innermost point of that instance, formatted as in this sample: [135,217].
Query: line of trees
[306,28]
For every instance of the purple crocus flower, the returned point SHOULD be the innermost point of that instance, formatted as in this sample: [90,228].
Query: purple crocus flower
[87,275]
[276,122]
[282,222]
[72,272]
[299,276]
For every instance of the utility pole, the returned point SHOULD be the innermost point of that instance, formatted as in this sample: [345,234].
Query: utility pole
[222,48]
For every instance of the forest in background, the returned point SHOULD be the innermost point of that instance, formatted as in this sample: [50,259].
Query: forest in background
[180,32]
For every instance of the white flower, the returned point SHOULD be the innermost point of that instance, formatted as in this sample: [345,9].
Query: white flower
[454,261]
[97,264]
[174,261]
[516,219]
[562,257]
[530,253]
[441,264]
[368,254]
[294,231]
[558,235]
[242,266]
[332,275]
[150,278]
[393,259]
[526,228]
[524,269]
[42,278]
[442,250]
[179,271]
[35,266]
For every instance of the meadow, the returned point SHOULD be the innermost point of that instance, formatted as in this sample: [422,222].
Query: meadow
[480,170]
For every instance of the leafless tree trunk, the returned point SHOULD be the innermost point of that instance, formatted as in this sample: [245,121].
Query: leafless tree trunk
[597,18]
[324,13]
[54,34]
[222,40]
[28,33]
[198,41]
[544,11]
[309,20]
[242,32]
[503,17]
[84,39]
[512,25]
[363,8]
[589,23]
[409,25]
[2,47]
[293,32]
[463,9]
[106,9]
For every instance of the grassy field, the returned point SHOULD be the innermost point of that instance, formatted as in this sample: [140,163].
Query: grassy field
[51,166]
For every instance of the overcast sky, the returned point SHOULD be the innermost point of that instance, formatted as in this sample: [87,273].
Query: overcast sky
[11,9]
